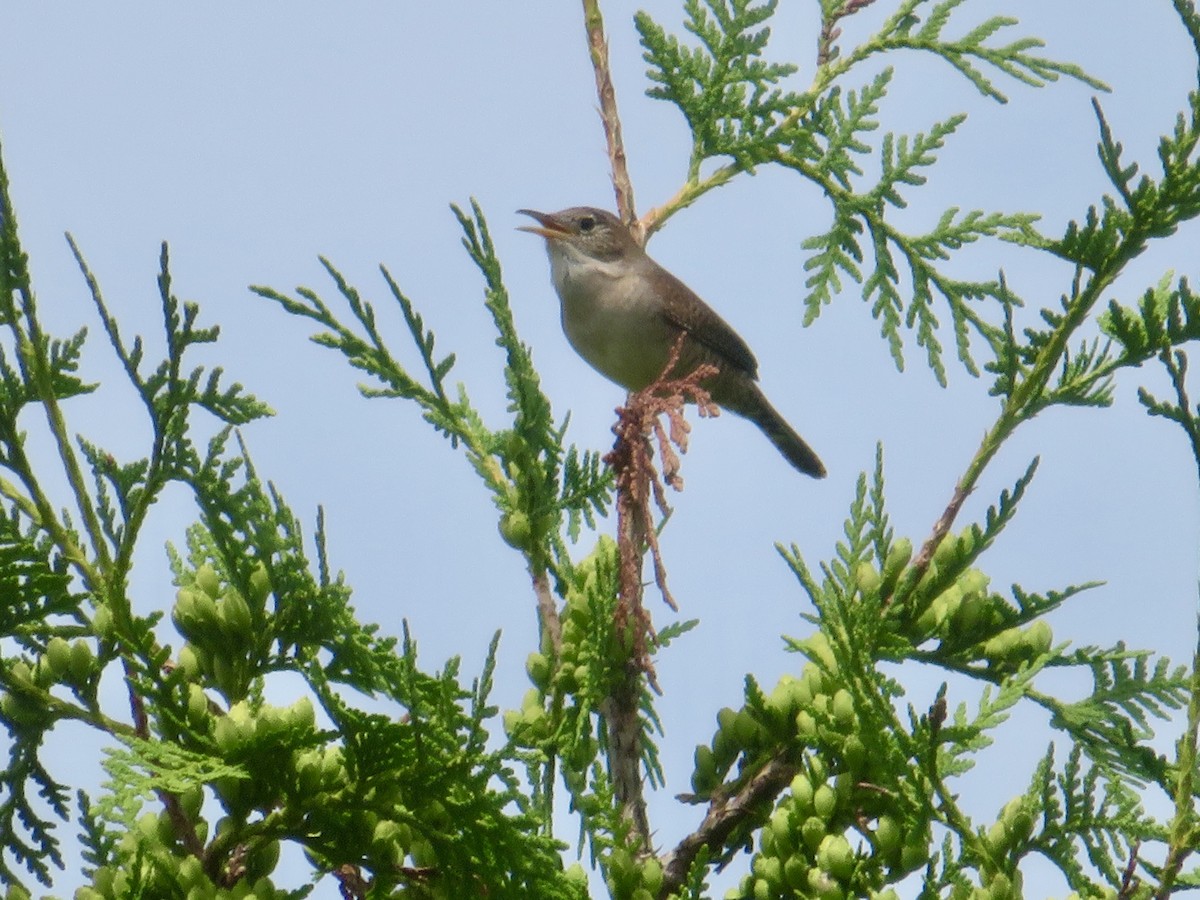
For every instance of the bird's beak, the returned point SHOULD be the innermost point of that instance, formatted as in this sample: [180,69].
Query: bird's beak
[548,227]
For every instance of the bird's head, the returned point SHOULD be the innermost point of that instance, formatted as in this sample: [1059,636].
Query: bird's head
[583,231]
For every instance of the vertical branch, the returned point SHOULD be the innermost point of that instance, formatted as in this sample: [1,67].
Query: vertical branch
[621,707]
[621,713]
[1184,832]
[622,186]
[632,461]
[551,626]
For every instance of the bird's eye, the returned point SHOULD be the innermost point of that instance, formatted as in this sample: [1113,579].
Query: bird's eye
[587,223]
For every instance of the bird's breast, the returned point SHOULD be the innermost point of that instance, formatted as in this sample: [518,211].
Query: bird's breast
[612,320]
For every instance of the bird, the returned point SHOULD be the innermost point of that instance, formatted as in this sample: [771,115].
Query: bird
[623,313]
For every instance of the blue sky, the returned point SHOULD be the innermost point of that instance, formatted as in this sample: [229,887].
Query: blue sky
[255,138]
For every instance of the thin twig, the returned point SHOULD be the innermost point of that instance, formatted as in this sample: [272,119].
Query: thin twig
[184,827]
[548,614]
[830,32]
[622,186]
[940,529]
[1129,880]
[1019,407]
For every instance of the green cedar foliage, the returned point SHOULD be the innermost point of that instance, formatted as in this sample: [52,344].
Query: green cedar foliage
[735,107]
[210,779]
[831,781]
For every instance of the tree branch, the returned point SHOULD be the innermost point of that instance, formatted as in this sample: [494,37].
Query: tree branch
[724,815]
[622,186]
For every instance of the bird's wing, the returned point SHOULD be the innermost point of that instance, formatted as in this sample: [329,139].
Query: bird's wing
[703,323]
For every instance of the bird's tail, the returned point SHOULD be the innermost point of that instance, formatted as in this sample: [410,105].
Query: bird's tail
[790,444]
[752,404]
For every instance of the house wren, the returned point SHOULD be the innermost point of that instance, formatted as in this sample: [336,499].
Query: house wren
[623,313]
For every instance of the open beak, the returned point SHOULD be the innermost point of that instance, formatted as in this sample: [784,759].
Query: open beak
[548,227]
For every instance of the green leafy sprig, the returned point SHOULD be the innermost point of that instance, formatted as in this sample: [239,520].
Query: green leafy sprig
[534,479]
